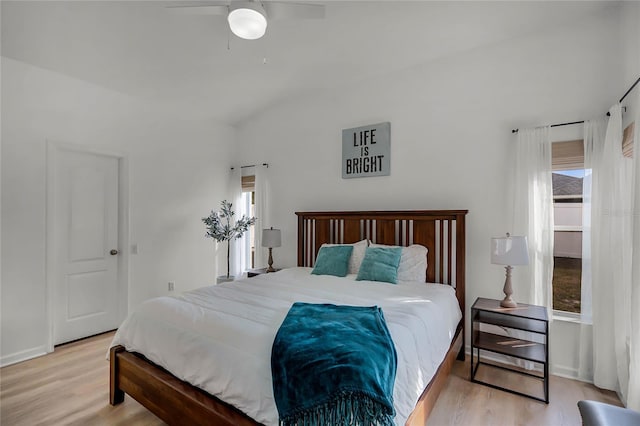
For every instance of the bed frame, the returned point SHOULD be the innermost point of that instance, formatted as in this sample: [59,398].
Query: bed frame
[441,231]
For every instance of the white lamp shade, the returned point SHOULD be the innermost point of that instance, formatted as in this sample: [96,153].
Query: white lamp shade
[247,20]
[509,251]
[271,238]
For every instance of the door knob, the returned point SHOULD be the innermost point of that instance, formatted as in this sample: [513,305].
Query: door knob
[113,252]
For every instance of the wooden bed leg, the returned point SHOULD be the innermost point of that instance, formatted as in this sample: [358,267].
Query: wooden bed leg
[461,353]
[116,396]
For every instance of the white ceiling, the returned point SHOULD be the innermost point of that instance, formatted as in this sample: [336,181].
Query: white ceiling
[140,49]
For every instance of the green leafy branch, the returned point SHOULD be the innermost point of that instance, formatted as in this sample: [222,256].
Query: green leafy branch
[221,227]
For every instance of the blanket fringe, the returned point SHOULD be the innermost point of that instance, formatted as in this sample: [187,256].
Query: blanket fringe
[347,409]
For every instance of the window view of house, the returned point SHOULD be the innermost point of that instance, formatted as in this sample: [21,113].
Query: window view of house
[567,251]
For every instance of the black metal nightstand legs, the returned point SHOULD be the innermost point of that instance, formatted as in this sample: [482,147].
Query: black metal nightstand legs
[530,319]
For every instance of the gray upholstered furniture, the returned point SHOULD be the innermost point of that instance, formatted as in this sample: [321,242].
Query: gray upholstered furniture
[595,413]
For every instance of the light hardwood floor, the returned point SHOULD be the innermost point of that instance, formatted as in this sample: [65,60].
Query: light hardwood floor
[465,403]
[68,387]
[71,387]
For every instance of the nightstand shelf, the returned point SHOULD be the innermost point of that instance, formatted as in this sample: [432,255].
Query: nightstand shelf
[505,345]
[528,318]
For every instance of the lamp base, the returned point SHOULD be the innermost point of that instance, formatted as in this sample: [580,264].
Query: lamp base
[270,268]
[508,302]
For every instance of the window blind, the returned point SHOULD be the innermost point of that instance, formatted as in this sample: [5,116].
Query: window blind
[567,155]
[627,140]
[248,183]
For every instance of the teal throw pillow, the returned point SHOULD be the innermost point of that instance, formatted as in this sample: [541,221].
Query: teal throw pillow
[333,261]
[380,264]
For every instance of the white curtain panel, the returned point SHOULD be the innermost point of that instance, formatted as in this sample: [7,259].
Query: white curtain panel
[238,258]
[594,134]
[262,214]
[533,210]
[611,256]
[633,396]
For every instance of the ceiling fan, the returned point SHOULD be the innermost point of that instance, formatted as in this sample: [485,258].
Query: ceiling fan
[248,19]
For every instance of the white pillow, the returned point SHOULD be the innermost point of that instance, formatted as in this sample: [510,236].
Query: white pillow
[357,254]
[413,263]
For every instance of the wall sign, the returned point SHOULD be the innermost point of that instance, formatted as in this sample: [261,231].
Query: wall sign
[366,151]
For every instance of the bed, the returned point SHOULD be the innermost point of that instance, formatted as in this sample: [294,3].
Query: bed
[179,402]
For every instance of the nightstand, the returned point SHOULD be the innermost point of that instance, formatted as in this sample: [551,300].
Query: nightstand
[258,271]
[528,318]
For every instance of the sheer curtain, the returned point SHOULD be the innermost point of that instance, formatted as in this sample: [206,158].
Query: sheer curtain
[262,213]
[239,262]
[633,396]
[533,210]
[612,261]
[594,133]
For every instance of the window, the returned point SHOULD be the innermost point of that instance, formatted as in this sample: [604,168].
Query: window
[567,243]
[249,201]
[568,174]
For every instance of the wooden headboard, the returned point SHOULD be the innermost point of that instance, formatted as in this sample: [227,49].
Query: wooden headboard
[441,231]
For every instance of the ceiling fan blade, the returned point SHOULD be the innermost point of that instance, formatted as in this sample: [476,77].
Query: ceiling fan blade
[277,10]
[221,9]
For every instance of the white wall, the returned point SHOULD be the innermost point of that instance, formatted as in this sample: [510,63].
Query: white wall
[451,137]
[178,171]
[568,241]
[567,215]
[567,244]
[630,41]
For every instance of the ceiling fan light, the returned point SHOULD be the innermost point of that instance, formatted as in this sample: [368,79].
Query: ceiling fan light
[248,20]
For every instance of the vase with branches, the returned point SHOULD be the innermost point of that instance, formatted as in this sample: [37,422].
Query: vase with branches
[222,227]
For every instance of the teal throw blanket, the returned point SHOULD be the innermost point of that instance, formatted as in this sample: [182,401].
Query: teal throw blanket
[333,365]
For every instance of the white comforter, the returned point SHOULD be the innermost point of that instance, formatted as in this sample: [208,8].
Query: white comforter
[219,338]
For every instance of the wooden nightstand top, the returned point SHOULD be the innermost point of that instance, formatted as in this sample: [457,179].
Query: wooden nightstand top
[257,271]
[523,310]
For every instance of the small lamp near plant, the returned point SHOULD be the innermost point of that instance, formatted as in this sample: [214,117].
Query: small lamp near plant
[509,251]
[271,238]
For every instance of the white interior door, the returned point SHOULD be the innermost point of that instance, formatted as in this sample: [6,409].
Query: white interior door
[85,300]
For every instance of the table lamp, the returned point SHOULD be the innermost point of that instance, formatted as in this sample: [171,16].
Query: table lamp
[271,238]
[509,251]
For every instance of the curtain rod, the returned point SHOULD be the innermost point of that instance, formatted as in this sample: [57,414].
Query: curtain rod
[556,125]
[630,89]
[253,165]
[582,121]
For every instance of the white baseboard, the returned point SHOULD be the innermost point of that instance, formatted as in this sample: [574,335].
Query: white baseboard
[23,355]
[564,371]
[568,373]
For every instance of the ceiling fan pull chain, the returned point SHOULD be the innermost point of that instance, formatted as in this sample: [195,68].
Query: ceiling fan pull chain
[266,51]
